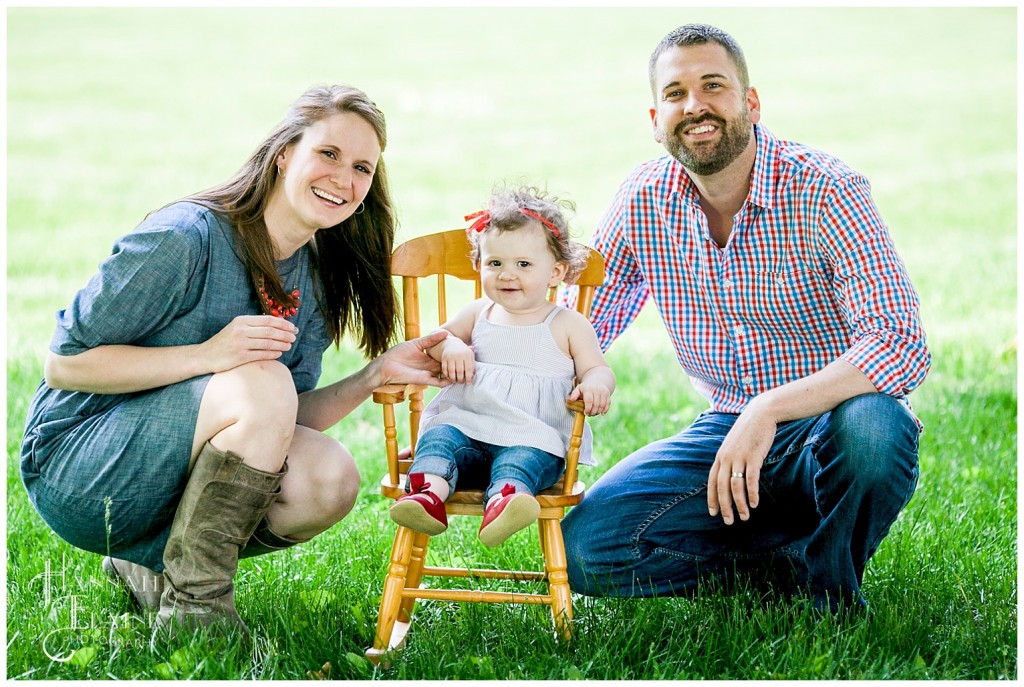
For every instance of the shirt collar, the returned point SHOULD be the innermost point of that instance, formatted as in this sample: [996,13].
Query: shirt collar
[762,177]
[766,168]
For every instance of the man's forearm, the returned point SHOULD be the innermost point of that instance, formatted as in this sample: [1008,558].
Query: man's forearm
[815,394]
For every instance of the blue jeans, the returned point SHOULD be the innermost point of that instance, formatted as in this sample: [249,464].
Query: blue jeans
[444,450]
[831,487]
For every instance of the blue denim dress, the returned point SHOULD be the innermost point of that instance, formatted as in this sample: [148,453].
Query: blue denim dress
[106,471]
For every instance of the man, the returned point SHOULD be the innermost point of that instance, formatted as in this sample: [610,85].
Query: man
[791,312]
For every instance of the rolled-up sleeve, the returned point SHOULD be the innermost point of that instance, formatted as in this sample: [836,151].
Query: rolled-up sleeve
[873,285]
[138,289]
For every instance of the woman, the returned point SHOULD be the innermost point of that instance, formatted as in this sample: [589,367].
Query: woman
[178,426]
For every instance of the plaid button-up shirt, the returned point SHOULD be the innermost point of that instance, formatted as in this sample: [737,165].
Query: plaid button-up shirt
[809,275]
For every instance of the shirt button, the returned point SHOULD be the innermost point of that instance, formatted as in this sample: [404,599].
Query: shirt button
[739,330]
[747,380]
[727,283]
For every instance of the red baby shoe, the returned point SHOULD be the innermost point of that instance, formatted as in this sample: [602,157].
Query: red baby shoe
[420,510]
[509,514]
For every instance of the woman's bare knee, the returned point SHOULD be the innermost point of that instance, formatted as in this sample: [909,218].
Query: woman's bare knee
[341,485]
[333,491]
[320,488]
[250,410]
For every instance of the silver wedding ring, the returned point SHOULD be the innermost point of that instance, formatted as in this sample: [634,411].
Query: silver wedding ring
[738,475]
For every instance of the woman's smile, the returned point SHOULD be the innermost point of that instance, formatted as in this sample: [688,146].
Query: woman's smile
[329,197]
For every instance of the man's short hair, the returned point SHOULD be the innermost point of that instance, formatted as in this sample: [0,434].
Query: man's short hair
[699,34]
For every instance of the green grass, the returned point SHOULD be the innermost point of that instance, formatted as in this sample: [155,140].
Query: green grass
[114,112]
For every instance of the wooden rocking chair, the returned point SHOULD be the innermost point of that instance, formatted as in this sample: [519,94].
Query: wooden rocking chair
[443,255]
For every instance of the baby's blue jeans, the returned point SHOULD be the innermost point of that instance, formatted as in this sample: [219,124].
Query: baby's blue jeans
[830,488]
[444,450]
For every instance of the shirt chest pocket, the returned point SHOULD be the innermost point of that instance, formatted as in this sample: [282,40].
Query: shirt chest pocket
[792,298]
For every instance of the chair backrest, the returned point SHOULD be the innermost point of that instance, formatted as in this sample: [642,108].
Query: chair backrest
[446,254]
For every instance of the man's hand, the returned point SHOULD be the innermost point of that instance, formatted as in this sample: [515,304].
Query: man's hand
[746,445]
[736,473]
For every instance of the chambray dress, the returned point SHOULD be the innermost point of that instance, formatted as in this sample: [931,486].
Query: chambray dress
[106,471]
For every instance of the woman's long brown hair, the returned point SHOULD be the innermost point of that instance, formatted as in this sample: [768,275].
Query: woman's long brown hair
[352,259]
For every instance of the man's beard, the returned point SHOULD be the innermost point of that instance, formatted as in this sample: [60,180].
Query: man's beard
[705,159]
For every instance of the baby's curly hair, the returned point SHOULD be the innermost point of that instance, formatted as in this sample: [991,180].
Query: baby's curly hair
[506,214]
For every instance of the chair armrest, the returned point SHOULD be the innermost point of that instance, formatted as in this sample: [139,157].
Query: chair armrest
[575,441]
[389,393]
[395,393]
[389,396]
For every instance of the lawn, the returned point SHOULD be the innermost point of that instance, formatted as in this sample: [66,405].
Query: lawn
[114,112]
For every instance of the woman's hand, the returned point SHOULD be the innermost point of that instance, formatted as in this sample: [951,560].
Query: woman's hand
[246,339]
[408,362]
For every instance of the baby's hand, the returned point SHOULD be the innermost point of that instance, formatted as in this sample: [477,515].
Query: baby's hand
[597,398]
[457,360]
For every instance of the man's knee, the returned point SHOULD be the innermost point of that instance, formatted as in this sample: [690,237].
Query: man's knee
[576,551]
[876,436]
[597,553]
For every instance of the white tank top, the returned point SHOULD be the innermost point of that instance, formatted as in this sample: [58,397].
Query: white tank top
[517,396]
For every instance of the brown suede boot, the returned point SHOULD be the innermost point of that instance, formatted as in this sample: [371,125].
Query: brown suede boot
[265,540]
[221,506]
[144,585]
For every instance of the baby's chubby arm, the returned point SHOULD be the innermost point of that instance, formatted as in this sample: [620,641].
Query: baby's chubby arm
[596,379]
[595,388]
[454,353]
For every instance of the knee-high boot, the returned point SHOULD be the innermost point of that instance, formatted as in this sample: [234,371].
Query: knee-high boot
[265,540]
[223,502]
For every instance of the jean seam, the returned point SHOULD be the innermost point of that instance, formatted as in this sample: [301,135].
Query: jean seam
[784,550]
[911,488]
[679,555]
[654,515]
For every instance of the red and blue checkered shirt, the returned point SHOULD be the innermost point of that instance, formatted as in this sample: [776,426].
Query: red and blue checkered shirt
[809,275]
